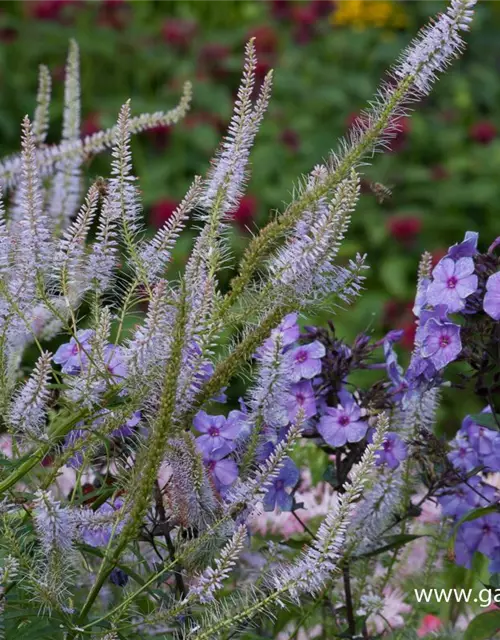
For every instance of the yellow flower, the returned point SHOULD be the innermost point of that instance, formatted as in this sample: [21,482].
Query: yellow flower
[368,13]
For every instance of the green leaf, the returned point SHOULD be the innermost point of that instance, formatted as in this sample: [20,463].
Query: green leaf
[487,420]
[484,626]
[392,542]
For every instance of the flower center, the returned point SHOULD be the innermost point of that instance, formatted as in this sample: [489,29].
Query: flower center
[300,398]
[452,282]
[387,446]
[280,485]
[444,341]
[301,356]
[344,421]
[75,349]
[213,431]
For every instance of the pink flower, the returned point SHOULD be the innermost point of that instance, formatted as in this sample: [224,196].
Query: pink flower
[179,33]
[429,624]
[91,124]
[266,39]
[391,614]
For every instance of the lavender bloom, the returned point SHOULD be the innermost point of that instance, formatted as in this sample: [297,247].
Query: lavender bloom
[70,440]
[343,424]
[306,361]
[441,342]
[127,428]
[482,534]
[465,249]
[73,354]
[481,438]
[224,470]
[301,396]
[464,497]
[463,457]
[277,496]
[98,526]
[115,364]
[393,451]
[452,283]
[491,303]
[218,432]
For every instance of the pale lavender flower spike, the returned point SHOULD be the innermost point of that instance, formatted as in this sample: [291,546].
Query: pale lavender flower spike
[452,283]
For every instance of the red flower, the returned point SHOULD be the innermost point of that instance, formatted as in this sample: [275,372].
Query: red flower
[159,136]
[483,132]
[245,213]
[91,124]
[281,9]
[305,18]
[161,211]
[266,39]
[178,32]
[290,139]
[49,9]
[429,624]
[404,228]
[8,35]
[114,14]
[437,255]
[212,59]
[321,8]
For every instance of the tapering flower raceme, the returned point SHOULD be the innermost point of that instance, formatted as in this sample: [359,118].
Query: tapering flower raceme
[66,185]
[41,118]
[29,407]
[439,43]
[55,524]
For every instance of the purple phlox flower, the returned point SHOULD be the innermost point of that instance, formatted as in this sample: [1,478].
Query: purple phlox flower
[224,471]
[491,304]
[463,554]
[464,497]
[218,434]
[306,361]
[239,420]
[115,364]
[452,283]
[342,424]
[462,456]
[301,396]
[392,452]
[465,249]
[127,428]
[481,534]
[97,530]
[289,330]
[73,354]
[481,439]
[277,494]
[441,342]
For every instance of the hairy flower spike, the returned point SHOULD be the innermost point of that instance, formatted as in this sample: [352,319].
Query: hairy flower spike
[41,119]
[437,45]
[27,413]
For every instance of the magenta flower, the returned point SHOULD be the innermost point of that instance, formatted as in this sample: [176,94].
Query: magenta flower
[441,342]
[301,396]
[343,424]
[452,283]
[393,451]
[306,360]
[492,297]
[218,434]
[277,496]
[72,355]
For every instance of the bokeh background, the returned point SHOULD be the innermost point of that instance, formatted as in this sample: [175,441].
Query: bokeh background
[442,169]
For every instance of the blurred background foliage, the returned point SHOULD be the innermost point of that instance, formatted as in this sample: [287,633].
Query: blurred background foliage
[442,169]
